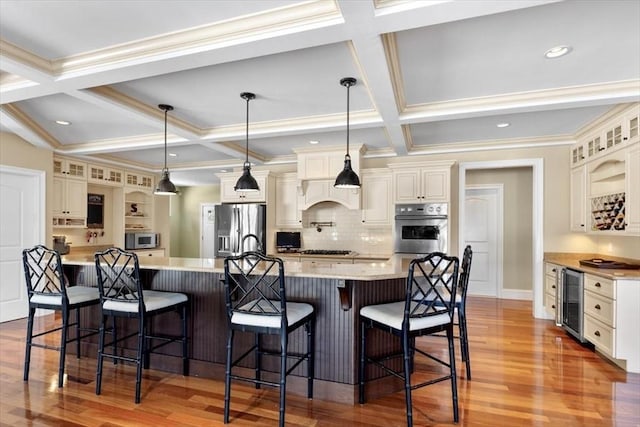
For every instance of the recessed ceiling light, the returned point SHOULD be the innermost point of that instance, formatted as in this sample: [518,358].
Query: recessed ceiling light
[173,155]
[503,125]
[313,142]
[223,170]
[557,52]
[63,122]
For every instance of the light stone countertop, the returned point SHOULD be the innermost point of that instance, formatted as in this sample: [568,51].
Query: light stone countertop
[393,268]
[572,260]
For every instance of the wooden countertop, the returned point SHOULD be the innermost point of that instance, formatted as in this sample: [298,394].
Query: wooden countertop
[572,260]
[393,268]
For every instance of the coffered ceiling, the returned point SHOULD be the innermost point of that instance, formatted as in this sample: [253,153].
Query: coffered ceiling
[433,76]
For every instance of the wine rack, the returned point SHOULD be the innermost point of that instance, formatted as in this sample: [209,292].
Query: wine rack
[607,212]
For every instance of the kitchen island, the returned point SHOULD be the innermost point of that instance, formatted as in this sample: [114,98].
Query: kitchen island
[337,291]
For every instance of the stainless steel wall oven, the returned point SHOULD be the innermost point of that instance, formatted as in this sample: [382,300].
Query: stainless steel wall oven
[421,228]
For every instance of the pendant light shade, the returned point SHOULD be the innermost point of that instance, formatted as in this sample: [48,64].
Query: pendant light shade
[165,186]
[347,178]
[246,182]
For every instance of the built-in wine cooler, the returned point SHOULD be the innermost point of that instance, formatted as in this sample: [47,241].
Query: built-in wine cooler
[572,294]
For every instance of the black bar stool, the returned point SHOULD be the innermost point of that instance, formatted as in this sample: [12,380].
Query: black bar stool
[428,309]
[256,302]
[122,295]
[47,288]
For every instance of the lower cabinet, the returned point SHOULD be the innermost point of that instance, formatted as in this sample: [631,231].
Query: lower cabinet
[150,252]
[551,280]
[612,319]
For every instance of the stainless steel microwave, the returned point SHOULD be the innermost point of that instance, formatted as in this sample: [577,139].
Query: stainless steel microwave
[141,240]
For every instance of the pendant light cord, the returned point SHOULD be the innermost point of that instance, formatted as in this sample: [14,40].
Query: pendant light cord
[348,90]
[165,141]
[247,135]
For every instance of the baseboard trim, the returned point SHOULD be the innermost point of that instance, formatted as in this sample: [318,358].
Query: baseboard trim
[517,294]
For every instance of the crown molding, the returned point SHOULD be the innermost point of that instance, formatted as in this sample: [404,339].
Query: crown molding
[615,92]
[29,126]
[491,145]
[271,23]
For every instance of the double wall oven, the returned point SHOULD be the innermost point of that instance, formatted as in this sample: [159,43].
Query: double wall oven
[421,228]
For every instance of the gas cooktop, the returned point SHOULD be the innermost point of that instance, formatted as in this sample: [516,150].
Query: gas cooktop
[324,252]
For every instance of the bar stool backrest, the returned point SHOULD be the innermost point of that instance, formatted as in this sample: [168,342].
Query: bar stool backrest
[119,276]
[431,286]
[254,284]
[463,281]
[43,272]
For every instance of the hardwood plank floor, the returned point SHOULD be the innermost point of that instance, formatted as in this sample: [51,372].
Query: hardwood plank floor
[526,372]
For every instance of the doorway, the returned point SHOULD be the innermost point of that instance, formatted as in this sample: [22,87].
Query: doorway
[537,214]
[22,224]
[483,231]
[207,230]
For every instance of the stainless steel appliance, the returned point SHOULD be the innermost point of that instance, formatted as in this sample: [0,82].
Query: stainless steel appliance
[141,240]
[288,241]
[421,228]
[60,245]
[234,222]
[571,305]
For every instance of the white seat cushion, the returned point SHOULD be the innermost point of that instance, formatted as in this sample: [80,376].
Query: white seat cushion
[76,295]
[295,312]
[392,314]
[153,300]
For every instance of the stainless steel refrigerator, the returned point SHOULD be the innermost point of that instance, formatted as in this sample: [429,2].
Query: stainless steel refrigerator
[240,228]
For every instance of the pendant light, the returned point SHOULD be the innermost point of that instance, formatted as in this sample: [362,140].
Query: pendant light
[246,182]
[165,186]
[347,178]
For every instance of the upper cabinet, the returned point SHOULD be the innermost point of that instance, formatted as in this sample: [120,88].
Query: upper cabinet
[229,195]
[105,175]
[632,176]
[69,168]
[138,180]
[69,202]
[421,182]
[326,164]
[138,210]
[287,213]
[578,194]
[377,197]
[614,131]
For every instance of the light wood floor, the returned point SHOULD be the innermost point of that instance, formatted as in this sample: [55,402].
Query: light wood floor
[525,372]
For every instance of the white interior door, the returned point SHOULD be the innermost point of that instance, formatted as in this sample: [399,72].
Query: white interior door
[483,231]
[21,226]
[207,230]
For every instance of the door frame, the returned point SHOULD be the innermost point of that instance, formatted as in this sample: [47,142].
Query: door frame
[499,191]
[537,217]
[202,207]
[41,206]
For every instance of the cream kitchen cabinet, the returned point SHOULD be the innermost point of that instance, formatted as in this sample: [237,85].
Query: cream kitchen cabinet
[229,195]
[287,213]
[612,319]
[377,201]
[103,175]
[427,183]
[551,286]
[315,164]
[69,168]
[69,203]
[578,199]
[140,181]
[578,154]
[632,203]
[149,252]
[323,190]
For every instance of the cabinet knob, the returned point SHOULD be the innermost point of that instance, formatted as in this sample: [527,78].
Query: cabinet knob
[596,333]
[554,270]
[553,306]
[601,149]
[553,286]
[597,285]
[597,307]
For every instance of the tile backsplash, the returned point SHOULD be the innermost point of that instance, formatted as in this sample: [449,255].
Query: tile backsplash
[346,232]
